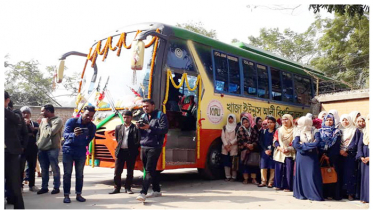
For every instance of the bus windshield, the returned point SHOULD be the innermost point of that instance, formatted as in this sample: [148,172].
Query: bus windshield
[126,87]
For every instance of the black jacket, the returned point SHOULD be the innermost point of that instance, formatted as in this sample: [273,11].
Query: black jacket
[22,130]
[12,141]
[133,139]
[154,136]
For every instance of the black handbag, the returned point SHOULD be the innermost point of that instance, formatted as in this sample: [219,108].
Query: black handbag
[253,160]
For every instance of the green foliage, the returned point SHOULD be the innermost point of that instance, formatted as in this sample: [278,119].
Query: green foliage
[350,10]
[235,40]
[291,45]
[27,85]
[344,49]
[199,28]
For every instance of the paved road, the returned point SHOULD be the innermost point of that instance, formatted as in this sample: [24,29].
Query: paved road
[181,189]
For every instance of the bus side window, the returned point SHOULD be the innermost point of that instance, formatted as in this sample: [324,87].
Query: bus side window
[263,89]
[221,73]
[250,78]
[303,92]
[287,87]
[276,84]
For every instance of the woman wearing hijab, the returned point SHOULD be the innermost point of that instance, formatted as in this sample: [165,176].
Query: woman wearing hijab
[266,154]
[361,124]
[363,155]
[336,117]
[309,115]
[308,180]
[284,155]
[329,149]
[354,115]
[229,147]
[247,139]
[348,149]
[321,115]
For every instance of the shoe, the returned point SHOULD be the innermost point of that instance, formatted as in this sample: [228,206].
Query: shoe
[115,191]
[55,191]
[262,185]
[141,197]
[80,198]
[350,198]
[276,188]
[42,191]
[254,182]
[67,199]
[34,188]
[154,194]
[129,191]
[245,181]
[270,186]
[227,179]
[287,190]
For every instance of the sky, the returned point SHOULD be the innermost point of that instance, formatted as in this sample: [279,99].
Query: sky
[44,30]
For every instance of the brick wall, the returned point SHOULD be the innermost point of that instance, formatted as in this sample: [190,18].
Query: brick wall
[347,106]
[64,113]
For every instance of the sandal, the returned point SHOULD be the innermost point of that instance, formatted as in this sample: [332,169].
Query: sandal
[262,185]
[254,182]
[245,181]
[227,179]
[270,186]
[287,190]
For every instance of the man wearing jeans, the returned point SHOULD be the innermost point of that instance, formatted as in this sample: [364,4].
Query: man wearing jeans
[153,127]
[77,134]
[48,142]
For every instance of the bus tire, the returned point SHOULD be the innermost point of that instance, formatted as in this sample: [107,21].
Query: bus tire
[214,166]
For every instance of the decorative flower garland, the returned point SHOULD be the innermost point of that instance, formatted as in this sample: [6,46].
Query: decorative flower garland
[108,45]
[197,84]
[152,70]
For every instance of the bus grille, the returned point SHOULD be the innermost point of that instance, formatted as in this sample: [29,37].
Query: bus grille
[102,152]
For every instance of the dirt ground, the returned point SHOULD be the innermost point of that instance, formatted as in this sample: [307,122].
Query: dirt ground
[181,188]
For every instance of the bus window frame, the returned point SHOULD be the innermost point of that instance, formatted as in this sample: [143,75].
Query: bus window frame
[214,72]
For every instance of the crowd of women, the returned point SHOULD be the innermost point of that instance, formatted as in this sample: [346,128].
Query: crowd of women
[315,159]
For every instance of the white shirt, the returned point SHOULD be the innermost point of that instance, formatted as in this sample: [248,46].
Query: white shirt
[125,137]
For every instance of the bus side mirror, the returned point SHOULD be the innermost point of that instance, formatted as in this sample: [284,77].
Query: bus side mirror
[137,58]
[60,69]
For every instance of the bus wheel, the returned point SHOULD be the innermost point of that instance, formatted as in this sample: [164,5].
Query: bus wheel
[213,168]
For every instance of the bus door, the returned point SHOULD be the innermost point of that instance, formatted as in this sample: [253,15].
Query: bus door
[181,111]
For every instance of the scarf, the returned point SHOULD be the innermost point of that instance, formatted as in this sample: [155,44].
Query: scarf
[321,115]
[348,131]
[336,117]
[357,124]
[249,117]
[353,116]
[287,132]
[366,131]
[247,130]
[230,127]
[329,134]
[305,130]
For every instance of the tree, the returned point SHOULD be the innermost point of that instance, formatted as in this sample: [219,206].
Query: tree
[298,47]
[350,10]
[199,28]
[234,40]
[344,49]
[29,86]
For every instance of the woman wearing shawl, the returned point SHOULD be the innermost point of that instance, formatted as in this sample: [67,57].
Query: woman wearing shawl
[307,180]
[247,139]
[354,115]
[361,124]
[284,155]
[363,155]
[348,163]
[329,148]
[336,117]
[266,153]
[258,124]
[229,147]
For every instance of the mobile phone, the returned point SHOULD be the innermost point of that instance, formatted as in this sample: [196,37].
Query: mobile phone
[84,128]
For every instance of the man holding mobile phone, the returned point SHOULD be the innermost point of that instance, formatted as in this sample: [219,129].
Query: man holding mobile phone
[78,133]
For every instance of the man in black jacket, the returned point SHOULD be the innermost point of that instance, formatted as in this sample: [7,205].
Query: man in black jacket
[13,148]
[127,136]
[153,127]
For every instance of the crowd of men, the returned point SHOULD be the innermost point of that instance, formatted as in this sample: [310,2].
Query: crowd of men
[26,142]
